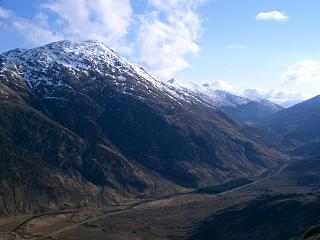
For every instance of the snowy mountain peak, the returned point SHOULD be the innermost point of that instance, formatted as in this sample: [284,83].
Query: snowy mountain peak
[72,54]
[88,47]
[86,57]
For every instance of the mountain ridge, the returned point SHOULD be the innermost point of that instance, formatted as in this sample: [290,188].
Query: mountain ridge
[297,125]
[239,107]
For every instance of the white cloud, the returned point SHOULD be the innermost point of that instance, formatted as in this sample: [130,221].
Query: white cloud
[307,70]
[305,76]
[31,32]
[35,34]
[301,81]
[103,20]
[284,98]
[273,94]
[274,16]
[167,35]
[223,85]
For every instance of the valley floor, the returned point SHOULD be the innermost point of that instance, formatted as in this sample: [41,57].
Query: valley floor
[174,217]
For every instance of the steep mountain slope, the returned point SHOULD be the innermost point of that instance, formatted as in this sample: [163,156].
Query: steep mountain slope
[81,126]
[298,124]
[238,107]
[46,166]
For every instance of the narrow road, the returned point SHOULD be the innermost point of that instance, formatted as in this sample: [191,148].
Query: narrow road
[133,206]
[21,225]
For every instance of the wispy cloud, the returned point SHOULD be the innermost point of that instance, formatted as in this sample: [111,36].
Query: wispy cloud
[168,34]
[299,82]
[305,76]
[103,20]
[304,71]
[5,13]
[273,94]
[272,16]
[284,98]
[223,85]
[35,34]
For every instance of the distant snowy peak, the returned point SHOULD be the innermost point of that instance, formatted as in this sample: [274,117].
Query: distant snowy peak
[197,91]
[218,97]
[211,93]
[232,99]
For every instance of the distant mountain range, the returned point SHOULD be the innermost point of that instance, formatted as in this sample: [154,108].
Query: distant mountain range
[81,126]
[242,108]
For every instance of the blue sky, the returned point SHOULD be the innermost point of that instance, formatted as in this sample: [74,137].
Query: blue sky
[265,48]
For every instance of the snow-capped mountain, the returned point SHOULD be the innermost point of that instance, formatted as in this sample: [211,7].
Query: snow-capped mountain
[44,69]
[81,126]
